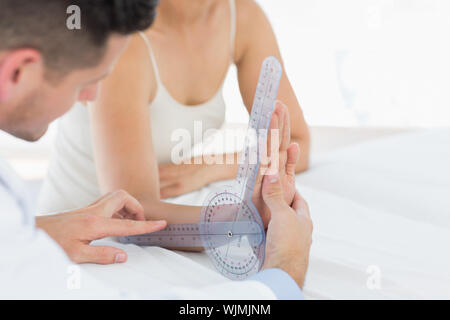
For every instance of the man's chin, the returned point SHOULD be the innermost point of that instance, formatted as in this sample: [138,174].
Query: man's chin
[30,136]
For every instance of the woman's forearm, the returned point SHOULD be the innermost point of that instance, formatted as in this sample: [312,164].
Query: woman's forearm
[172,213]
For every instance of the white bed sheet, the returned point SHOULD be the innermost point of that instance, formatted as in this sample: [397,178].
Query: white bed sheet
[381,211]
[382,205]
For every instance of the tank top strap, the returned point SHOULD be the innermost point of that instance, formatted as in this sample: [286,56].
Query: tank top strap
[233,27]
[152,56]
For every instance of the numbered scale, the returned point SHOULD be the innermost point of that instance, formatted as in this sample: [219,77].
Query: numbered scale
[230,228]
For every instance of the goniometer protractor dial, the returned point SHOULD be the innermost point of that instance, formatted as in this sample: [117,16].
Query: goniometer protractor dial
[240,253]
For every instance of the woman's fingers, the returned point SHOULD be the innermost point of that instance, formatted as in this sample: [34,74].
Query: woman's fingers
[168,171]
[171,191]
[170,178]
[165,183]
[279,111]
[273,143]
[285,127]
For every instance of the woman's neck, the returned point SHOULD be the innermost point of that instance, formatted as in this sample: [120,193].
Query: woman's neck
[183,12]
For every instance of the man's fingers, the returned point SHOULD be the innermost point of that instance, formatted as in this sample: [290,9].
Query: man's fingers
[300,205]
[117,201]
[272,192]
[101,255]
[124,214]
[293,154]
[123,228]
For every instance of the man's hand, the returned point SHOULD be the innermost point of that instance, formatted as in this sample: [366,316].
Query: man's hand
[107,217]
[289,235]
[287,157]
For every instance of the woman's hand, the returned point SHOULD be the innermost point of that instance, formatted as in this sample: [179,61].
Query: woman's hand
[287,156]
[176,180]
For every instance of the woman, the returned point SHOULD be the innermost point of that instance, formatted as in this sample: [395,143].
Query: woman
[168,78]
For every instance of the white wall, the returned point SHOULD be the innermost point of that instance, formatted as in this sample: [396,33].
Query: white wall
[351,63]
[364,62]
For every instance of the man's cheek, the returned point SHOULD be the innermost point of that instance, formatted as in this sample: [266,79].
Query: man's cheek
[56,109]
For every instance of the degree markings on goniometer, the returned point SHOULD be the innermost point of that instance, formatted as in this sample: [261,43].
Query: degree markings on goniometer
[230,228]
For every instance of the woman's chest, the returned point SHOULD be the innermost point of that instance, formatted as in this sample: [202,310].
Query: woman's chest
[193,71]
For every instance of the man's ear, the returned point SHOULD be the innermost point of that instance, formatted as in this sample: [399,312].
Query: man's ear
[16,68]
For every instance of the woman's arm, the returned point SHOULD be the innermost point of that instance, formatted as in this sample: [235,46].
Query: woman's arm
[122,136]
[255,40]
[123,145]
[121,127]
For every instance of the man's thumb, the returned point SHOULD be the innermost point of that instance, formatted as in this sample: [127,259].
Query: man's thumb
[272,191]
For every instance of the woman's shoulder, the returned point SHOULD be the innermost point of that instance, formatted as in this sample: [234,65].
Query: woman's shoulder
[134,66]
[136,56]
[250,19]
[248,12]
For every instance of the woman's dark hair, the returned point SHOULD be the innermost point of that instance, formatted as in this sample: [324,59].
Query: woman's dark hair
[42,25]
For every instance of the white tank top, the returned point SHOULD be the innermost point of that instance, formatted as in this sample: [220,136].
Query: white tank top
[211,114]
[71,180]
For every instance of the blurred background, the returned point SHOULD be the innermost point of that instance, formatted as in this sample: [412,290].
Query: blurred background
[365,62]
[379,64]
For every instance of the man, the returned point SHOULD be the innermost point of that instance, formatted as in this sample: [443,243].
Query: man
[44,68]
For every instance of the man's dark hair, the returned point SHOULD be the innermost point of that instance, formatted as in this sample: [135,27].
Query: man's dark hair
[42,25]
